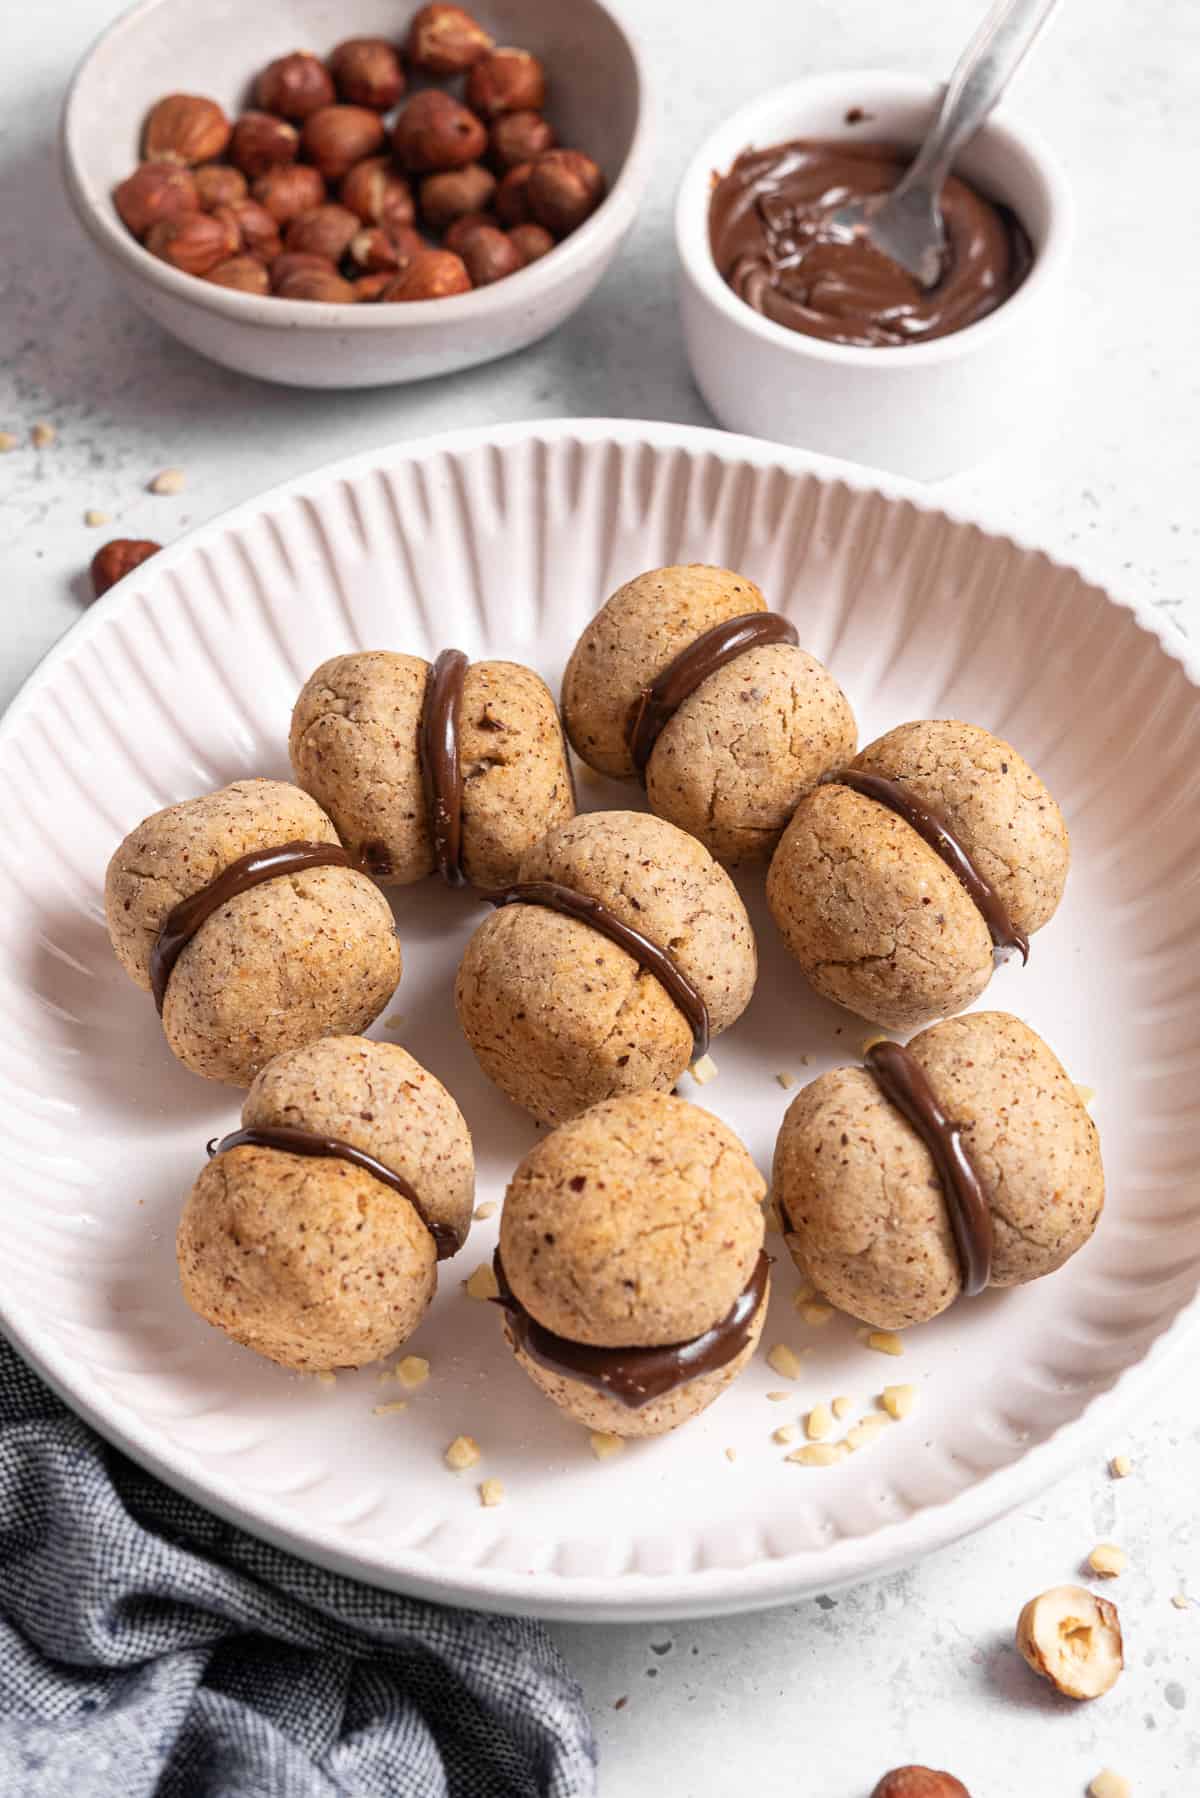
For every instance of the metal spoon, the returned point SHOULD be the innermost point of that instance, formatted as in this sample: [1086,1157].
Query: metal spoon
[907,225]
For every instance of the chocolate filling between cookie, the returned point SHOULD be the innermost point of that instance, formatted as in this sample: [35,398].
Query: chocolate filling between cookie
[635,1376]
[293,1141]
[932,827]
[184,920]
[903,1083]
[653,960]
[441,767]
[657,704]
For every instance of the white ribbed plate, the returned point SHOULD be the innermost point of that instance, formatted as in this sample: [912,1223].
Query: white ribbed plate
[184,677]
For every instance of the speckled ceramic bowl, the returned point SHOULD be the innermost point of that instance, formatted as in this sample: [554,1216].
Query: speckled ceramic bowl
[598,100]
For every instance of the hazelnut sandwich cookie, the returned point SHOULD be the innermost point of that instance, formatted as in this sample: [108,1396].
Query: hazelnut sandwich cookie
[606,967]
[966,1160]
[313,1234]
[631,1268]
[901,880]
[457,766]
[685,679]
[251,924]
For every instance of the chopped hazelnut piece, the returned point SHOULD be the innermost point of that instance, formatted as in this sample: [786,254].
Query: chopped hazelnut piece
[816,1312]
[390,1409]
[1110,1785]
[704,1070]
[731,1454]
[491,1492]
[898,1401]
[170,480]
[325,1378]
[806,1061]
[784,1361]
[42,436]
[1120,1467]
[482,1283]
[483,1212]
[818,1423]
[785,1079]
[463,1452]
[1086,1093]
[93,518]
[777,1398]
[842,1406]
[884,1342]
[817,1454]
[1181,1601]
[1107,1560]
[785,1434]
[864,1431]
[412,1371]
[605,1444]
[1073,1639]
[7,442]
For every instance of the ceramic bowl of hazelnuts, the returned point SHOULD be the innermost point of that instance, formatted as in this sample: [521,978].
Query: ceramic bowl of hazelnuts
[407,191]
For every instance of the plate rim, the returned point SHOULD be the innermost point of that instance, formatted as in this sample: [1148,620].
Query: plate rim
[630,1597]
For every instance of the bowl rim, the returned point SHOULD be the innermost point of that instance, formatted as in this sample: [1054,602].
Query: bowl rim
[606,225]
[882,85]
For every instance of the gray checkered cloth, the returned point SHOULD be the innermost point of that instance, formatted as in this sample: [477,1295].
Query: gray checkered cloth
[147,1648]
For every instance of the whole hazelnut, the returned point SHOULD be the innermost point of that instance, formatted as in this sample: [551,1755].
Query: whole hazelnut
[435,132]
[325,231]
[194,242]
[156,190]
[261,142]
[378,193]
[462,228]
[517,137]
[506,80]
[490,255]
[185,128]
[512,198]
[444,40]
[367,72]
[337,137]
[295,85]
[219,185]
[316,284]
[433,275]
[371,287]
[119,558]
[245,274]
[565,186]
[377,251]
[290,262]
[532,242]
[259,229]
[919,1782]
[448,196]
[286,192]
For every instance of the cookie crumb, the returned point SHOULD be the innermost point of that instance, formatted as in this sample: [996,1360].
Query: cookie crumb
[784,1361]
[325,1378]
[1108,1561]
[8,442]
[43,435]
[92,518]
[731,1454]
[818,1423]
[412,1371]
[1181,1601]
[463,1452]
[786,1080]
[817,1454]
[482,1283]
[1120,1467]
[390,1409]
[884,1342]
[785,1434]
[1110,1785]
[704,1070]
[842,1406]
[816,1312]
[483,1212]
[394,1020]
[168,481]
[777,1398]
[898,1401]
[806,1061]
[605,1444]
[491,1492]
[864,1431]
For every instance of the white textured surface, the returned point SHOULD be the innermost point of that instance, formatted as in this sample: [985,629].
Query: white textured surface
[805,1700]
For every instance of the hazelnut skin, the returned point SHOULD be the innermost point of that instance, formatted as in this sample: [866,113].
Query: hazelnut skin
[490,255]
[185,128]
[377,251]
[445,40]
[115,560]
[565,187]
[434,132]
[156,190]
[433,275]
[316,284]
[463,227]
[257,230]
[290,262]
[261,142]
[288,191]
[337,137]
[532,242]
[447,196]
[512,197]
[919,1782]
[245,274]
[293,86]
[219,185]
[326,231]
[194,242]
[506,80]
[371,287]
[368,73]
[517,137]
[378,193]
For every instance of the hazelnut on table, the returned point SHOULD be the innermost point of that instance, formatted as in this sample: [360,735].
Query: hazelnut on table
[113,561]
[294,86]
[367,72]
[919,1782]
[185,128]
[445,40]
[1072,1638]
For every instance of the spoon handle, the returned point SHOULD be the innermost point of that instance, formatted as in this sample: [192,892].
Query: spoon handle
[981,75]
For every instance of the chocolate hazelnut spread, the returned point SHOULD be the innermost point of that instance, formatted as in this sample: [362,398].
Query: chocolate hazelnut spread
[657,704]
[634,1376]
[647,954]
[292,1141]
[774,243]
[441,769]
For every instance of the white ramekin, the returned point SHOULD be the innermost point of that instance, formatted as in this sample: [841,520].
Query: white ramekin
[600,104]
[925,410]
